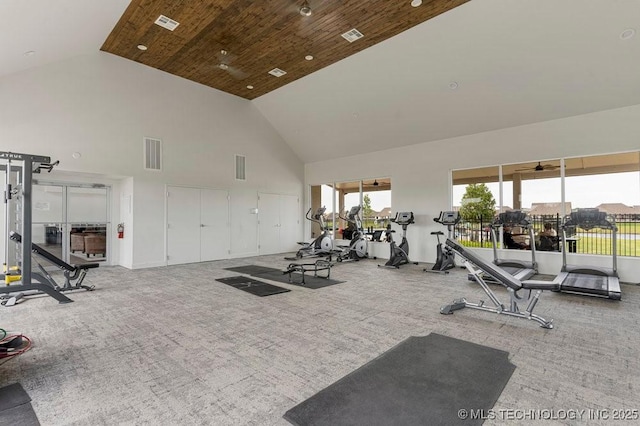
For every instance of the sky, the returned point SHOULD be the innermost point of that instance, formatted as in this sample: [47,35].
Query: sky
[379,199]
[581,191]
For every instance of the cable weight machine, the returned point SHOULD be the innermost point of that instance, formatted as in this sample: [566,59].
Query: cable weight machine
[24,166]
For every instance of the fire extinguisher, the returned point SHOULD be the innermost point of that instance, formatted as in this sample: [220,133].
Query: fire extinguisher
[121,230]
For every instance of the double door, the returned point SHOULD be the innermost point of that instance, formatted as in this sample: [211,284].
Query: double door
[71,221]
[197,225]
[278,223]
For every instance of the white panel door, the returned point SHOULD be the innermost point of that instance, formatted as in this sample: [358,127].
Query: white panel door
[183,225]
[289,223]
[214,225]
[269,223]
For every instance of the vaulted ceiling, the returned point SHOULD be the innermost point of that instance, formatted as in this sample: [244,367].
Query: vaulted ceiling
[231,45]
[460,68]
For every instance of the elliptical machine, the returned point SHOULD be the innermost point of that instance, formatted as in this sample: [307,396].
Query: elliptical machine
[399,253]
[358,247]
[445,257]
[322,244]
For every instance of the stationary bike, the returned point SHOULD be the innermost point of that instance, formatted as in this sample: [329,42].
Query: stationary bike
[322,244]
[445,258]
[399,253]
[358,247]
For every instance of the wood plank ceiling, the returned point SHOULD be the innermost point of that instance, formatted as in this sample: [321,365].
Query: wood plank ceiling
[259,35]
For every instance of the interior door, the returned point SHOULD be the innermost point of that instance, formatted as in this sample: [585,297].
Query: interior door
[48,221]
[268,223]
[183,225]
[214,225]
[289,223]
[87,223]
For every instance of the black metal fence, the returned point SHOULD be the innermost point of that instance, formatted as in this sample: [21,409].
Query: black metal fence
[594,241]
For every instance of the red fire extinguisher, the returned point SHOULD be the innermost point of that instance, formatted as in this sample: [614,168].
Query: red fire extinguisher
[121,230]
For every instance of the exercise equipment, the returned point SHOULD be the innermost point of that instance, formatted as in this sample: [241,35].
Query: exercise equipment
[520,269]
[322,245]
[445,257]
[590,280]
[358,247]
[22,166]
[73,274]
[399,254]
[317,266]
[520,292]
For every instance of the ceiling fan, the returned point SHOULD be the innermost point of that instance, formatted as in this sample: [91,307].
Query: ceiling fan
[224,63]
[539,167]
[373,184]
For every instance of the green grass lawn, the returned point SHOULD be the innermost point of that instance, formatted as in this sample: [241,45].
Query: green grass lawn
[599,245]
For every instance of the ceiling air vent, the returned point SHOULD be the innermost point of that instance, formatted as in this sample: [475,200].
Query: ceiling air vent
[152,154]
[241,167]
[167,23]
[352,35]
[277,72]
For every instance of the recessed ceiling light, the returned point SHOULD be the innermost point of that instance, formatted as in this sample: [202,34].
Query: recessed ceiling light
[76,155]
[305,9]
[309,58]
[250,87]
[453,85]
[416,3]
[30,53]
[627,34]
[142,47]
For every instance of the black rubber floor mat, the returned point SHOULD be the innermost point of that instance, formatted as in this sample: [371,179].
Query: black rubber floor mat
[252,269]
[431,380]
[252,286]
[15,407]
[311,282]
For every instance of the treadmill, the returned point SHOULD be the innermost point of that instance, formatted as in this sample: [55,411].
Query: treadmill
[520,269]
[589,280]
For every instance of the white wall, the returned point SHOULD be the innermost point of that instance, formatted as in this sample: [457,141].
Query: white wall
[124,246]
[102,106]
[420,174]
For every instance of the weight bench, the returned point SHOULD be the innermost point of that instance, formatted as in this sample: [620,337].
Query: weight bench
[317,266]
[73,274]
[519,291]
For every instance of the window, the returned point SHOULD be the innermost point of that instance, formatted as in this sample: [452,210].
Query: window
[609,182]
[374,195]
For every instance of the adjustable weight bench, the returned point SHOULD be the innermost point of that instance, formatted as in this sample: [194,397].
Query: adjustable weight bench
[519,291]
[317,266]
[73,274]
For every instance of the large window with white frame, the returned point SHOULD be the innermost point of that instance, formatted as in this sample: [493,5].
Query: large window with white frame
[548,190]
[374,195]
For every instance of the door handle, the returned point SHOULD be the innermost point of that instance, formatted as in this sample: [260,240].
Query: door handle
[202,225]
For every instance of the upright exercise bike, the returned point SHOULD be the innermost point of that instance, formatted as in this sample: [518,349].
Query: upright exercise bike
[399,253]
[445,257]
[322,245]
[358,247]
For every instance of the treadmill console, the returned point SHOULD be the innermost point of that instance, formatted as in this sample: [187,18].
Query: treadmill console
[589,218]
[513,218]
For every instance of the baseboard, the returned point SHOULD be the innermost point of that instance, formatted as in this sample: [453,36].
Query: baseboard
[242,255]
[148,265]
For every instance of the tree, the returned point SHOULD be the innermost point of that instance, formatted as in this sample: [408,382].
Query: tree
[366,206]
[477,203]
